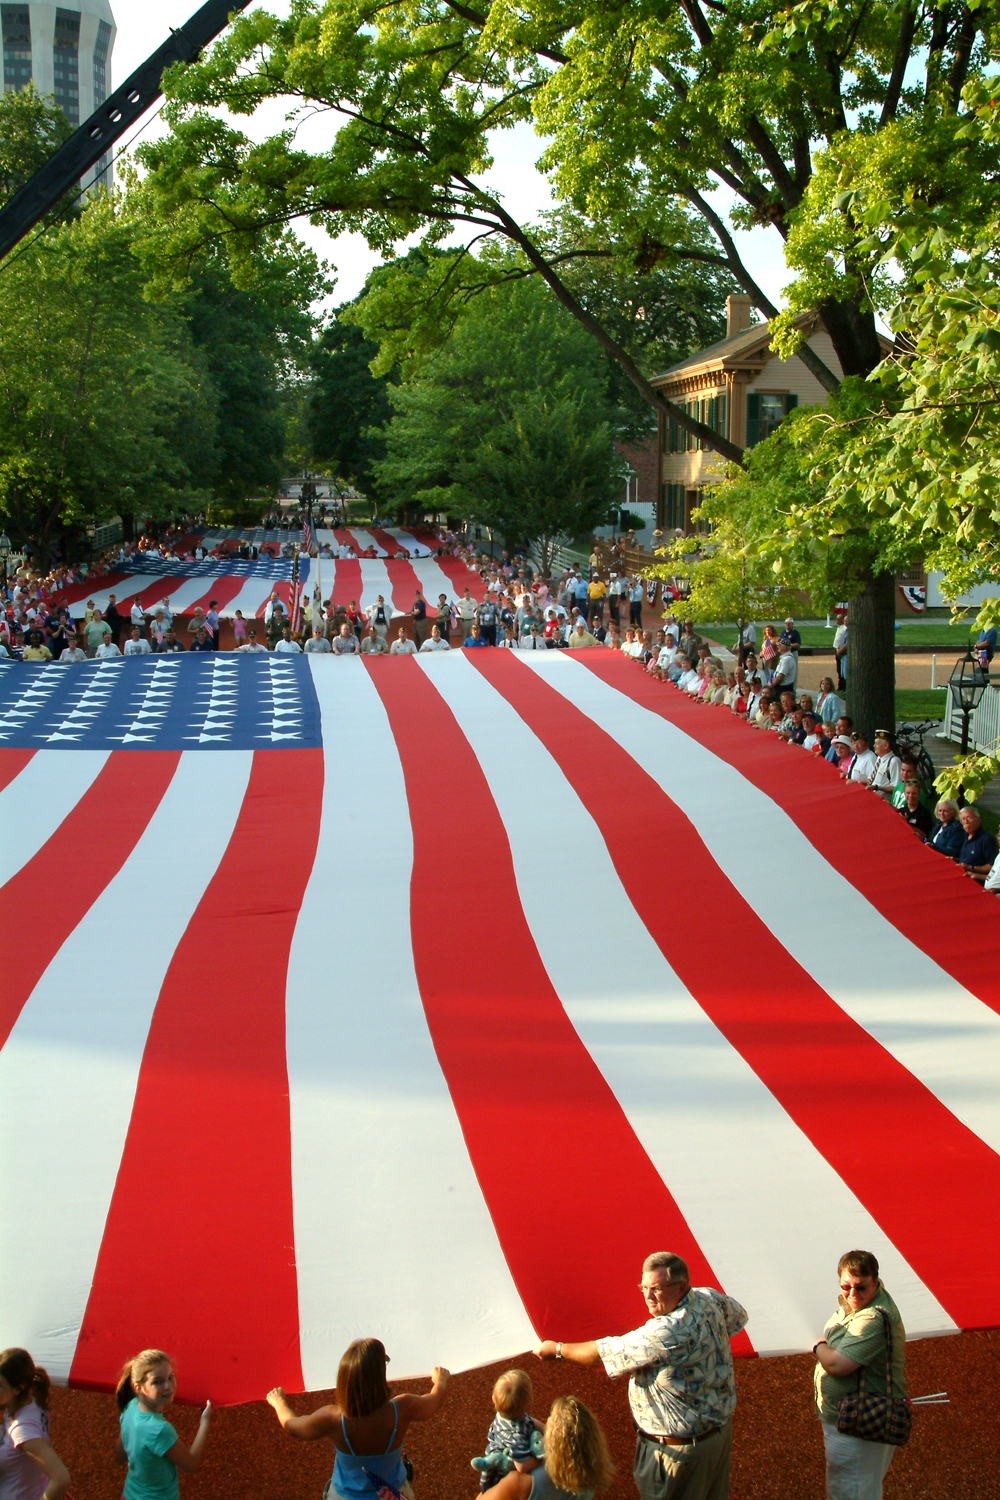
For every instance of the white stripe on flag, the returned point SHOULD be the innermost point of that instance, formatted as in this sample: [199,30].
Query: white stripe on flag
[749,1182]
[365,539]
[927,1021]
[34,804]
[433,580]
[72,1059]
[251,598]
[193,589]
[378,1158]
[409,541]
[374,581]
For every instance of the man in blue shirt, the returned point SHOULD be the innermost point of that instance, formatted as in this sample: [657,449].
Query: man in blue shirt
[475,638]
[986,641]
[979,849]
[789,639]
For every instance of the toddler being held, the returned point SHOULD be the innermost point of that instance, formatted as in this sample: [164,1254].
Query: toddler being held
[514,1440]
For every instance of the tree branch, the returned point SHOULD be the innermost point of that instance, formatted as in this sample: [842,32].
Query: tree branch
[965,36]
[805,353]
[773,160]
[476,18]
[904,44]
[655,398]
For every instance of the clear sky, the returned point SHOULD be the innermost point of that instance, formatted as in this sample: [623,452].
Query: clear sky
[143,24]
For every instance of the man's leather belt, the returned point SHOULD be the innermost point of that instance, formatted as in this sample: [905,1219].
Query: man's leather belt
[676,1442]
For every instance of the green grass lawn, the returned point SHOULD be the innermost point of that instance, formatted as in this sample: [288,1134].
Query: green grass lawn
[914,704]
[908,633]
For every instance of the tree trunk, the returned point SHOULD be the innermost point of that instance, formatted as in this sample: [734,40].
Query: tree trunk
[871,661]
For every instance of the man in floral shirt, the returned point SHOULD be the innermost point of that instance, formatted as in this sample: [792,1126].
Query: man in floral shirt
[682,1389]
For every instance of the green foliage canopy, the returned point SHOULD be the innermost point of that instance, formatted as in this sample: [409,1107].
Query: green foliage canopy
[510,422]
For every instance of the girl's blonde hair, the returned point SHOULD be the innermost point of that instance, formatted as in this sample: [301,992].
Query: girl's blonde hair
[134,1372]
[576,1451]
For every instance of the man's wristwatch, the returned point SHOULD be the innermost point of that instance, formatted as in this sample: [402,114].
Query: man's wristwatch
[559,1351]
[817,1344]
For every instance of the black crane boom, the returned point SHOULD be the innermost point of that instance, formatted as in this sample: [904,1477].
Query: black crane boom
[109,122]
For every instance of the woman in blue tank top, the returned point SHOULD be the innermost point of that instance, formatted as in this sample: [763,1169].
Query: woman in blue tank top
[577,1462]
[365,1424]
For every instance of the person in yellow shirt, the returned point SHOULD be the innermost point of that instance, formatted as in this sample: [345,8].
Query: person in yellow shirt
[581,636]
[596,591]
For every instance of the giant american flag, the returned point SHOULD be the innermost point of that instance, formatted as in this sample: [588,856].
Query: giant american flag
[247,584]
[422,997]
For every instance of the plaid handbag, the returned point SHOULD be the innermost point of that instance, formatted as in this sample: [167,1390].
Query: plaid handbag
[877,1419]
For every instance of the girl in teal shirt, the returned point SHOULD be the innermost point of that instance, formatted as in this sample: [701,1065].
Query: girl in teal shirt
[148,1443]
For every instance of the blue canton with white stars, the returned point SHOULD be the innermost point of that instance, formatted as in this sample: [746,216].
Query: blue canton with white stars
[205,701]
[215,567]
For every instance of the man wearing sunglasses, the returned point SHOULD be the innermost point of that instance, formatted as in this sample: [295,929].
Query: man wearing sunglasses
[682,1388]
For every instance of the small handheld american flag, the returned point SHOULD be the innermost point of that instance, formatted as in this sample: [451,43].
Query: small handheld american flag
[383,1489]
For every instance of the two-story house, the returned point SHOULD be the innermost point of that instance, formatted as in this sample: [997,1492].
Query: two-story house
[741,390]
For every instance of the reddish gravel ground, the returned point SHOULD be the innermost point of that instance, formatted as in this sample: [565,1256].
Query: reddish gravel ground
[954,1453]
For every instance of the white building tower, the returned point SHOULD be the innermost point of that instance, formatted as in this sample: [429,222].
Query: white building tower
[65,50]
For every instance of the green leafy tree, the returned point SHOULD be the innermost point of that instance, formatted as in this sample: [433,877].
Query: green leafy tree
[31,128]
[104,409]
[345,403]
[729,579]
[648,106]
[509,423]
[417,90]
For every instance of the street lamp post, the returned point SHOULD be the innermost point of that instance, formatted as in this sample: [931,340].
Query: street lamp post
[5,551]
[970,682]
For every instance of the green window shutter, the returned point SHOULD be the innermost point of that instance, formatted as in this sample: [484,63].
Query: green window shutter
[723,428]
[753,419]
[673,434]
[713,413]
[791,402]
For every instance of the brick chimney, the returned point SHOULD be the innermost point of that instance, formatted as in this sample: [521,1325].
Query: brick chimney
[737,314]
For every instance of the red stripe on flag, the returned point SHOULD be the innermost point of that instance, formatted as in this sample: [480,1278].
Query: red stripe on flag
[204,1189]
[346,583]
[932,1179]
[154,593]
[925,896]
[344,538]
[528,1095]
[73,867]
[223,588]
[388,543]
[12,763]
[404,583]
[74,593]
[461,577]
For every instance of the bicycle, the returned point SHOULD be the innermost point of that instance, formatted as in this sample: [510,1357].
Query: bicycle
[911,737]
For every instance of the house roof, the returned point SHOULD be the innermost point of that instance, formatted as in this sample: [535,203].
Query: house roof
[748,348]
[742,343]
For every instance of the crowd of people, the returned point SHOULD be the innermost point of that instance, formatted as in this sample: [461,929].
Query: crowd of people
[681,1391]
[518,609]
[762,692]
